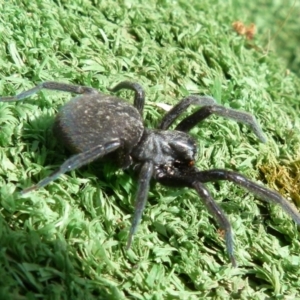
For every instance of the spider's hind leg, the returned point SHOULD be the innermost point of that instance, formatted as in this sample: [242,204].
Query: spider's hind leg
[51,85]
[139,97]
[77,161]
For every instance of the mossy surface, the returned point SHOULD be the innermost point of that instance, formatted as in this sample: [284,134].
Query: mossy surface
[66,241]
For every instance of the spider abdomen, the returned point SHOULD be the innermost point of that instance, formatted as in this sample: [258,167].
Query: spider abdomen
[91,120]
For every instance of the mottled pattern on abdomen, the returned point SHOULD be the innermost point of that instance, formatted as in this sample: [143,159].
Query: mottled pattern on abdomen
[90,120]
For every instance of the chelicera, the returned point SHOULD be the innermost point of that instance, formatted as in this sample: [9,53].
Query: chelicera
[94,125]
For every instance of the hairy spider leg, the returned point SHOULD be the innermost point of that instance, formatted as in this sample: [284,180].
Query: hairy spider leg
[258,190]
[191,180]
[179,108]
[239,116]
[219,215]
[139,97]
[209,107]
[196,178]
[51,85]
[77,161]
[141,198]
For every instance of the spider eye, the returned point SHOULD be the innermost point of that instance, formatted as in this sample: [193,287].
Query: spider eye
[184,148]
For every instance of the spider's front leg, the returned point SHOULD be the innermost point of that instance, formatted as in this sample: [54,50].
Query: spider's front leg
[219,215]
[263,193]
[188,178]
[139,97]
[189,122]
[182,106]
[209,107]
[51,85]
[77,161]
[145,176]
[195,179]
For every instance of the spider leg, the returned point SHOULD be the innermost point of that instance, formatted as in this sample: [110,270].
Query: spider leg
[209,107]
[179,108]
[239,116]
[139,97]
[195,179]
[141,198]
[77,161]
[189,179]
[262,192]
[51,85]
[219,215]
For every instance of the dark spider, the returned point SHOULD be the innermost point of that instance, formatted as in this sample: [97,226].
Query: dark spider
[95,124]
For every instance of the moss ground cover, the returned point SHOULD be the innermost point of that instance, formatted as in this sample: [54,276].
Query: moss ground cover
[66,241]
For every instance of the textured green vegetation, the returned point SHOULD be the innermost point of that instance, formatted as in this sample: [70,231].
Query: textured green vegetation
[66,241]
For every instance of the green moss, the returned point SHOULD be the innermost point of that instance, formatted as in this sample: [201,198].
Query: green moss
[66,241]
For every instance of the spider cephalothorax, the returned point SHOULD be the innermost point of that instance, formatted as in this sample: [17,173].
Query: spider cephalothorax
[94,125]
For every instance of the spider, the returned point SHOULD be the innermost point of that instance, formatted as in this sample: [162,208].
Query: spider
[94,125]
